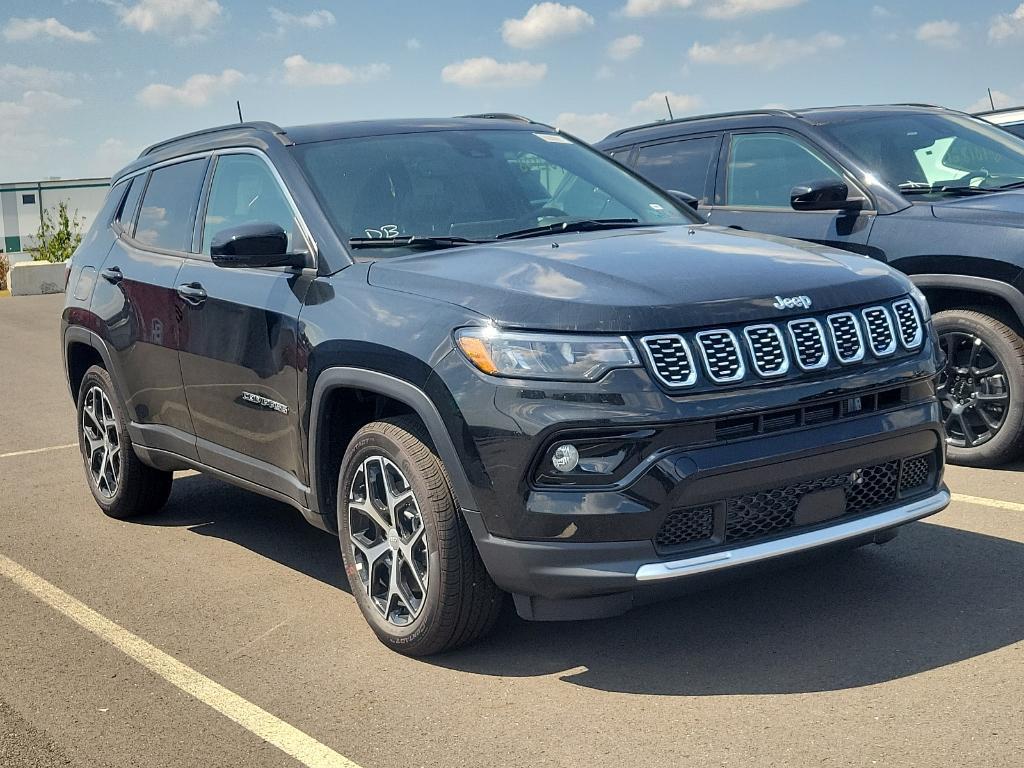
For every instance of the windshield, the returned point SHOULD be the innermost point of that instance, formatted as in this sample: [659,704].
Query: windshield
[934,154]
[473,185]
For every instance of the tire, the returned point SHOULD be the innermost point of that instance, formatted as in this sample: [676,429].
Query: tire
[442,596]
[125,487]
[983,414]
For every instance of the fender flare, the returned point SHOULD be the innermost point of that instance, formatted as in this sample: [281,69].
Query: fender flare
[397,389]
[1004,291]
[77,334]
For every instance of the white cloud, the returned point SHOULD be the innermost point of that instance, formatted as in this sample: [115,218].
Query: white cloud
[485,71]
[13,76]
[880,12]
[311,20]
[622,48]
[941,33]
[113,154]
[1007,25]
[654,105]
[170,16]
[48,101]
[769,52]
[298,70]
[713,9]
[28,29]
[589,127]
[1001,98]
[545,22]
[413,44]
[597,125]
[194,92]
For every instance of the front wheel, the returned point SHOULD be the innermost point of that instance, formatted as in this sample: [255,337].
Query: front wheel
[981,388]
[411,561]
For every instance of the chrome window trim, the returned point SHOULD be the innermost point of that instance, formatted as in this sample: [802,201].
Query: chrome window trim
[893,332]
[690,380]
[835,345]
[919,336]
[741,372]
[796,347]
[784,369]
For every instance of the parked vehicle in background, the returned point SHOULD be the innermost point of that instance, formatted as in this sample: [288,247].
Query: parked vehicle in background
[1011,119]
[491,360]
[933,192]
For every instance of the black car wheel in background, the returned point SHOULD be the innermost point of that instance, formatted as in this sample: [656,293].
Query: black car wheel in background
[981,387]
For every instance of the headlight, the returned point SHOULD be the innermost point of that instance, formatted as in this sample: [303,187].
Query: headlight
[544,356]
[922,303]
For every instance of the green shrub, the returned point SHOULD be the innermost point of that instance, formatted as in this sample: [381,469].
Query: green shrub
[4,269]
[57,242]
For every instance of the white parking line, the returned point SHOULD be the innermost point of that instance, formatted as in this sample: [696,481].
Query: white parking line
[272,730]
[994,503]
[12,454]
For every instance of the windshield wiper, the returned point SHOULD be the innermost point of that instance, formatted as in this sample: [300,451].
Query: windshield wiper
[582,225]
[1005,187]
[933,189]
[410,241]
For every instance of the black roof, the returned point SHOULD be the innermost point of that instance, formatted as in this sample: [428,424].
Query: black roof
[696,123]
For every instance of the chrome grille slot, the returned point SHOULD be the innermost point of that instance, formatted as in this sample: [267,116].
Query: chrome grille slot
[911,331]
[767,350]
[881,336]
[670,357]
[722,357]
[847,341]
[808,339]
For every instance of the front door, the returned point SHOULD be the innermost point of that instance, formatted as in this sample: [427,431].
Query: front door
[754,185]
[239,339]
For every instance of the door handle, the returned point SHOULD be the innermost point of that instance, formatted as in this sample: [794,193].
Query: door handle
[112,275]
[192,293]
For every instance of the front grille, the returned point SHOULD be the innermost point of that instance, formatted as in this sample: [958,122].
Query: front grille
[809,342]
[881,336]
[671,359]
[722,356]
[684,526]
[762,513]
[911,331]
[767,350]
[847,341]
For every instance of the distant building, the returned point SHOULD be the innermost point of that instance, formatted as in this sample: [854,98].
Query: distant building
[22,204]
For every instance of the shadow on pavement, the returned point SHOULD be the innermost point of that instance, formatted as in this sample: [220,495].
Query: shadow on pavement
[932,597]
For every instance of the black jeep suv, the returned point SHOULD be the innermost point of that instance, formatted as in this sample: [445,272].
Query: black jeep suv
[491,360]
[926,189]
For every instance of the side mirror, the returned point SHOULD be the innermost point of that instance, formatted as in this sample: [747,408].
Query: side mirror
[684,198]
[824,195]
[258,244]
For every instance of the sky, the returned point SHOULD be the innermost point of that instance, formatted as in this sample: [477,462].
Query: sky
[86,84]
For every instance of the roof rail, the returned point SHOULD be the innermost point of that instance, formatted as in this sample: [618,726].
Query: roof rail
[259,125]
[500,116]
[1000,111]
[742,113]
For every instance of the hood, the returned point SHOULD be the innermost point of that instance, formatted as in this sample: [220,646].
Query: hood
[633,280]
[1001,209]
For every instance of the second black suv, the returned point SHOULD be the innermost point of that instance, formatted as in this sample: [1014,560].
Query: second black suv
[491,360]
[928,190]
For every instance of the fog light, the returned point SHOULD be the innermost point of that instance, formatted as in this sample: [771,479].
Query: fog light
[565,458]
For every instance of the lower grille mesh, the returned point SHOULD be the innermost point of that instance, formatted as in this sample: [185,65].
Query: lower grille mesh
[763,513]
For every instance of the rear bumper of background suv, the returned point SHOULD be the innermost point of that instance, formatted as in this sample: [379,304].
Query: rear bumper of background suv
[731,511]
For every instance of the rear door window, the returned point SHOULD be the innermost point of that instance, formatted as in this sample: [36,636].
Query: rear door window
[168,212]
[126,213]
[679,165]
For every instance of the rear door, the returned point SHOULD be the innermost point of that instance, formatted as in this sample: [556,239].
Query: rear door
[136,301]
[757,172]
[239,341]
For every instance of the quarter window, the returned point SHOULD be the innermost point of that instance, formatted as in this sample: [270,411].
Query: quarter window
[679,165]
[244,191]
[168,210]
[764,168]
[126,213]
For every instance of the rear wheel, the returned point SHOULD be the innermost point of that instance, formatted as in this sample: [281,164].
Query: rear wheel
[121,484]
[981,388]
[410,559]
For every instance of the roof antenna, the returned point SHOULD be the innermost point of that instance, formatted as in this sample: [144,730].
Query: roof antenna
[670,117]
[991,100]
[238,105]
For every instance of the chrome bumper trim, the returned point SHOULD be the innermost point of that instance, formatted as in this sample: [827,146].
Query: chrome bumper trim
[753,553]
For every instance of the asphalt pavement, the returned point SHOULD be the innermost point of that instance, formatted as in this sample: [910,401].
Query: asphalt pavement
[159,642]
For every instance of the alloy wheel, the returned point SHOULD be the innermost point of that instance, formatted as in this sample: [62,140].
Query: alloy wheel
[387,539]
[102,442]
[973,390]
